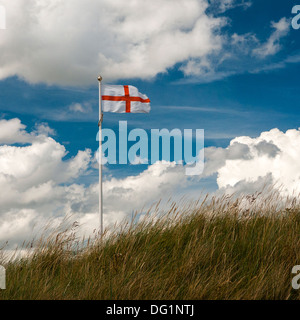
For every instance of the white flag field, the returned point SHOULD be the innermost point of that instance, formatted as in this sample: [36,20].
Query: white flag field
[124,99]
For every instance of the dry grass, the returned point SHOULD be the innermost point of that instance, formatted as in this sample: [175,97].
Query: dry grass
[209,250]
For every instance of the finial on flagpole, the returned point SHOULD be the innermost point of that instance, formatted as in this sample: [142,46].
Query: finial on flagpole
[99,78]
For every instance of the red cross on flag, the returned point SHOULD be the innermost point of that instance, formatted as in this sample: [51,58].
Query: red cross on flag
[124,99]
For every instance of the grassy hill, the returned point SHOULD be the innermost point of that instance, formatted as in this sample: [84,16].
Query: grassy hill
[209,250]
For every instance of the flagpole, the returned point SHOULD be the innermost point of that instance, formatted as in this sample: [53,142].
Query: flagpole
[100,159]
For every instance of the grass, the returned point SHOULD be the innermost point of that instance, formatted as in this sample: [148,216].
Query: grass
[209,250]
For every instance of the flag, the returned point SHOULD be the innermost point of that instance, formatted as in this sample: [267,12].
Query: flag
[124,99]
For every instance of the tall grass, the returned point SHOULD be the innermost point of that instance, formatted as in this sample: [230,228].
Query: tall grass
[217,249]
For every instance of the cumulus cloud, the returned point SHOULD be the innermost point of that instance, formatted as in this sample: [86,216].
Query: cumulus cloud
[38,185]
[34,177]
[249,164]
[13,131]
[273,153]
[70,42]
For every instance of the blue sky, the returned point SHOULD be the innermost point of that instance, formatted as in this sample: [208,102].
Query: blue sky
[241,79]
[225,108]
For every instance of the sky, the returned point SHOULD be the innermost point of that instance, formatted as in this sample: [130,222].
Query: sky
[229,67]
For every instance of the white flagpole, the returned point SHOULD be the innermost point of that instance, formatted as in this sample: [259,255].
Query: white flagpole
[100,159]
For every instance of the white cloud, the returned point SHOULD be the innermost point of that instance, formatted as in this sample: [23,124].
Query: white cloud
[244,43]
[236,51]
[70,42]
[278,65]
[272,46]
[138,160]
[224,5]
[44,129]
[81,107]
[38,185]
[248,164]
[274,154]
[33,177]
[13,131]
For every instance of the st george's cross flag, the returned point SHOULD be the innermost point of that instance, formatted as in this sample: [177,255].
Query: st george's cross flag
[124,99]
